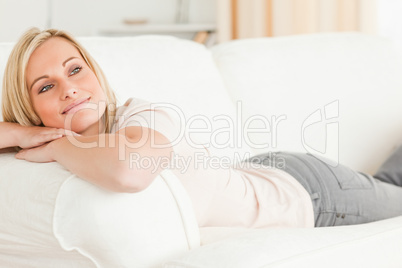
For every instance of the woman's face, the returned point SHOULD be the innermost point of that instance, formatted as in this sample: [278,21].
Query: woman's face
[64,91]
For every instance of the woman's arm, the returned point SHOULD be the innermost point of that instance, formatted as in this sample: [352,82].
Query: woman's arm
[8,134]
[13,134]
[109,160]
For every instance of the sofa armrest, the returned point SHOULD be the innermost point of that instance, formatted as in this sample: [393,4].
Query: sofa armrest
[51,218]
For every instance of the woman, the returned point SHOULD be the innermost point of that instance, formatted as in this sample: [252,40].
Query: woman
[48,79]
[58,106]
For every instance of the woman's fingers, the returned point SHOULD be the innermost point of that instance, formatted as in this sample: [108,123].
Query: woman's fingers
[38,154]
[70,133]
[36,136]
[59,131]
[20,154]
[44,138]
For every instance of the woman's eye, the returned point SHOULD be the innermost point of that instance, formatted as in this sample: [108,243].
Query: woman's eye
[76,70]
[45,88]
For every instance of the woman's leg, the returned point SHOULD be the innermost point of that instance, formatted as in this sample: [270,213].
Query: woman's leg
[391,169]
[340,196]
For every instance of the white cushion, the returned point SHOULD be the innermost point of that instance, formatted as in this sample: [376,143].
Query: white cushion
[369,245]
[335,95]
[51,218]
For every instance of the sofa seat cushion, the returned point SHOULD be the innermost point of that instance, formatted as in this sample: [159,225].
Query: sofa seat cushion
[366,245]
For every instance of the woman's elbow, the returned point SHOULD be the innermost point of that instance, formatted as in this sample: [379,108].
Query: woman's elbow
[135,178]
[132,181]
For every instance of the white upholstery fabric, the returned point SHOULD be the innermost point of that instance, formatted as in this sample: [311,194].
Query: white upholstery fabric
[368,245]
[340,93]
[126,230]
[51,218]
[27,202]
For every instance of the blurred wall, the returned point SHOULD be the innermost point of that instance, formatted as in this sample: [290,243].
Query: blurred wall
[259,18]
[254,18]
[87,17]
[390,20]
[16,16]
[239,19]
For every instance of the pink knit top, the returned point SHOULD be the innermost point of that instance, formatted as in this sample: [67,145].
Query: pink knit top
[244,195]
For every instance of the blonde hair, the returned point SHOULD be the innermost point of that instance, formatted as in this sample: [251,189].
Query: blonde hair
[16,103]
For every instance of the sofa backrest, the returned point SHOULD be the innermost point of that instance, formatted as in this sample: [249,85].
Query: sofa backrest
[334,95]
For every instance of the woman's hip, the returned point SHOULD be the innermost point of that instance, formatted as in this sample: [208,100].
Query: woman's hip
[340,195]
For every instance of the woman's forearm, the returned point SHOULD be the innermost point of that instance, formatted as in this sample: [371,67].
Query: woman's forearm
[14,134]
[105,160]
[9,134]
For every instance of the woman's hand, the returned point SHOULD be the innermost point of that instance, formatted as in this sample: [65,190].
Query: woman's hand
[30,137]
[40,154]
[39,149]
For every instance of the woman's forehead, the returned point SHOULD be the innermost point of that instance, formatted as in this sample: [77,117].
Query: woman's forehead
[55,47]
[49,55]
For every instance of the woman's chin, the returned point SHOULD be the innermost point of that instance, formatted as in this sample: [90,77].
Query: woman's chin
[87,129]
[84,123]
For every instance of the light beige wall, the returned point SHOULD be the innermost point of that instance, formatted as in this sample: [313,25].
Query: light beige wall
[224,20]
[328,15]
[348,15]
[282,17]
[369,17]
[305,16]
[251,18]
[258,18]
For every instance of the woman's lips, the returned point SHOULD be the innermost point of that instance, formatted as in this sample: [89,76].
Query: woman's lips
[75,106]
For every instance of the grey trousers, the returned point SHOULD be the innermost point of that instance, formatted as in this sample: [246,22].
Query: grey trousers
[340,195]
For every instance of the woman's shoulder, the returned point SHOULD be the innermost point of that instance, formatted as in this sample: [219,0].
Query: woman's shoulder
[135,102]
[133,106]
[137,111]
[136,105]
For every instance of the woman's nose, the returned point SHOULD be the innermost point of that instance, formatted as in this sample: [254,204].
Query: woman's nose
[69,92]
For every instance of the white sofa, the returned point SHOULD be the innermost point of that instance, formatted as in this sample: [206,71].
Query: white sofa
[335,95]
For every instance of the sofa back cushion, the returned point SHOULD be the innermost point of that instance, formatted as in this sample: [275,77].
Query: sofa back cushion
[334,95]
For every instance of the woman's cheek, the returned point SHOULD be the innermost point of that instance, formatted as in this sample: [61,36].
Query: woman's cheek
[49,116]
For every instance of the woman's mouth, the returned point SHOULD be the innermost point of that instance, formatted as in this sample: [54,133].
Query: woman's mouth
[75,106]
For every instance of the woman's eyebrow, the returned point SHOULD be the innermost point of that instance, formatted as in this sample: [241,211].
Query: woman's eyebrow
[46,76]
[64,63]
[37,79]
